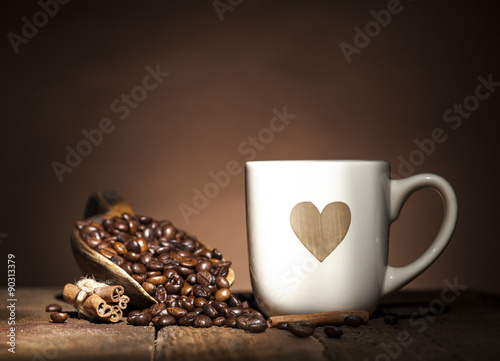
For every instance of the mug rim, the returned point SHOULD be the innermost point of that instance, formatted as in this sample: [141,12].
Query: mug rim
[319,161]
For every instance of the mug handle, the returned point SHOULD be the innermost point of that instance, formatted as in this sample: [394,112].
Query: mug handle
[400,190]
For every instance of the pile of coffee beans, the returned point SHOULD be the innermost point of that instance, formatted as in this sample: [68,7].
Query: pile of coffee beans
[188,281]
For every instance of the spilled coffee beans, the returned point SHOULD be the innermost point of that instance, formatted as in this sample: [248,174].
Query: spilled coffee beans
[188,280]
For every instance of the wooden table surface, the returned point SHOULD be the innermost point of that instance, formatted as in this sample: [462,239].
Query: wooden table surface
[455,327]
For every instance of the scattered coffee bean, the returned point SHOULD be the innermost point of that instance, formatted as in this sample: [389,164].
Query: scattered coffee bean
[300,329]
[282,326]
[143,319]
[353,321]
[53,307]
[59,317]
[164,321]
[333,332]
[391,319]
[202,321]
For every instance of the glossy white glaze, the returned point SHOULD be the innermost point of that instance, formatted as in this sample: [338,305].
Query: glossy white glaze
[287,278]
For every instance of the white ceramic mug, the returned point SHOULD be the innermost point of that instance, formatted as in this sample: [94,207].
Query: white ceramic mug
[318,233]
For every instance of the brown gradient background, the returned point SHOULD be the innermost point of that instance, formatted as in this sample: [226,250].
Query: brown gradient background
[225,79]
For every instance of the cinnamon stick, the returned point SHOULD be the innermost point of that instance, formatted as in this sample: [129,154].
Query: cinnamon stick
[110,294]
[335,318]
[90,305]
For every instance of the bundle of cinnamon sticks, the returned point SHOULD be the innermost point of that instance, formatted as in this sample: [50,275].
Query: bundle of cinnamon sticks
[97,300]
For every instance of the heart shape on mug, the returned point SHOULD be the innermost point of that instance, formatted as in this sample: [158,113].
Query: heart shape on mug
[321,232]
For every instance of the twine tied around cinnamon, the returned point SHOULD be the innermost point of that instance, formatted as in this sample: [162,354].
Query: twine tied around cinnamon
[96,300]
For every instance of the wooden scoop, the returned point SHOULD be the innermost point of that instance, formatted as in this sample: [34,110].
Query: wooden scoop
[102,205]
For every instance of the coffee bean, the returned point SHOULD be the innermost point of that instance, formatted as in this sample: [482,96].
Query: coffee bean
[189,262]
[332,331]
[204,278]
[234,302]
[156,309]
[219,305]
[219,321]
[188,320]
[210,311]
[139,268]
[120,248]
[127,267]
[300,329]
[223,294]
[92,242]
[157,280]
[82,223]
[204,266]
[282,325]
[119,261]
[143,244]
[148,287]
[186,289]
[231,321]
[59,317]
[177,312]
[139,278]
[216,254]
[169,232]
[200,301]
[353,321]
[53,307]
[201,291]
[164,321]
[221,282]
[146,258]
[133,246]
[391,319]
[143,319]
[203,321]
[132,256]
[241,322]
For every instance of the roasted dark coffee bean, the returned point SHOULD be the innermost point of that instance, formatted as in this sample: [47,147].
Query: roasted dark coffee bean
[144,219]
[146,258]
[235,311]
[162,250]
[127,267]
[120,248]
[200,301]
[161,293]
[139,268]
[282,325]
[173,287]
[164,321]
[204,265]
[121,225]
[169,273]
[218,264]
[156,309]
[169,232]
[143,244]
[234,301]
[143,319]
[216,254]
[210,311]
[132,256]
[117,260]
[231,321]
[334,332]
[221,282]
[132,225]
[219,305]
[256,323]
[241,322]
[133,246]
[202,321]
[391,319]
[186,289]
[201,291]
[148,287]
[189,262]
[219,321]
[184,271]
[92,242]
[177,312]
[300,330]
[223,294]
[188,320]
[83,222]
[306,324]
[204,278]
[108,252]
[188,306]
[131,317]
[155,265]
[153,273]
[53,307]
[353,321]
[59,317]
[191,279]
[139,278]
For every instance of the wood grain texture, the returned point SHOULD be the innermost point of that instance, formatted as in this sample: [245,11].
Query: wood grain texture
[465,328]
